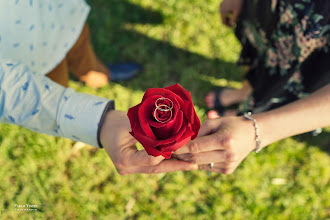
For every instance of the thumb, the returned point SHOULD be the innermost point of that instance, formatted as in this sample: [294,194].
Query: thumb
[208,127]
[216,141]
[134,157]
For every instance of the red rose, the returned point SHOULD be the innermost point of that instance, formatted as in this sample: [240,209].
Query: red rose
[165,120]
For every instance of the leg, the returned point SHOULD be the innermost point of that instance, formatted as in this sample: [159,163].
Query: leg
[60,74]
[230,96]
[84,64]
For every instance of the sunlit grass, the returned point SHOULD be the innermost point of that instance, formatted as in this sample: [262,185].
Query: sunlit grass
[177,42]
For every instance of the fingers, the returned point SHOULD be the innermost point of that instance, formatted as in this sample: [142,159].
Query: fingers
[142,158]
[170,166]
[204,157]
[209,127]
[163,167]
[131,157]
[205,130]
[216,141]
[135,161]
[223,168]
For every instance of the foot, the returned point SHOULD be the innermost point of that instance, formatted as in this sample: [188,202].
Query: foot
[123,71]
[212,114]
[117,72]
[95,79]
[227,97]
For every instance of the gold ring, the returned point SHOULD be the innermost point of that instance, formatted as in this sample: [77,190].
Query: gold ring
[167,109]
[156,116]
[163,98]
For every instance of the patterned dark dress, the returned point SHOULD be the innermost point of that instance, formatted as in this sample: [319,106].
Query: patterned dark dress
[286,44]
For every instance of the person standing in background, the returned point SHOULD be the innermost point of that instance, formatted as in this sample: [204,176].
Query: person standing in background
[40,42]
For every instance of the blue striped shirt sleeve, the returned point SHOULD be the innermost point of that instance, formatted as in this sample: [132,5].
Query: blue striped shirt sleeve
[35,102]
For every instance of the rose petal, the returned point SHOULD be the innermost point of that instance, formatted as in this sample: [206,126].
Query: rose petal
[179,142]
[154,152]
[164,132]
[178,122]
[180,91]
[139,135]
[176,107]
[151,150]
[145,114]
[175,136]
[167,155]
[163,93]
[142,138]
[196,126]
[188,111]
[132,115]
[183,126]
[170,128]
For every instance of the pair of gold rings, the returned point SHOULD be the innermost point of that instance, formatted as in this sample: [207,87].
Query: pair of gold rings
[163,108]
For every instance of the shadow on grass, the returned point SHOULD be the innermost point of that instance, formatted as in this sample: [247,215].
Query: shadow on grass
[322,140]
[164,64]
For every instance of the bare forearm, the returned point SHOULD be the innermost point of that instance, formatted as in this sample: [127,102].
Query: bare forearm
[296,118]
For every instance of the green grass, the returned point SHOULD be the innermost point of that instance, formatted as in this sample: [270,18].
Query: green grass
[176,41]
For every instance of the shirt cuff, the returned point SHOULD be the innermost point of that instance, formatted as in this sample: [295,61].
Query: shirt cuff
[79,117]
[110,106]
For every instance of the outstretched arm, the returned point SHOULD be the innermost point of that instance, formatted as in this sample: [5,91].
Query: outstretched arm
[33,101]
[120,146]
[298,117]
[227,141]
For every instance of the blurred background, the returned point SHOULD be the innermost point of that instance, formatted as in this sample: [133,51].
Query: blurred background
[176,42]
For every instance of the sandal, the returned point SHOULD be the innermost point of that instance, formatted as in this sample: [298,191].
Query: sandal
[218,106]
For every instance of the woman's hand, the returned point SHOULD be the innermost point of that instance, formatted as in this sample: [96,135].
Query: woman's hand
[120,146]
[230,10]
[224,141]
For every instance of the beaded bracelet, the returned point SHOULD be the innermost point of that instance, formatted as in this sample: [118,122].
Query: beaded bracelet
[249,116]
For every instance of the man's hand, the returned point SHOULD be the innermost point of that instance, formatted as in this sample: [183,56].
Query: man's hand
[226,142]
[230,10]
[120,146]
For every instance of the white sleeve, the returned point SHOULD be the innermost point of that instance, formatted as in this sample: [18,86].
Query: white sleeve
[34,101]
